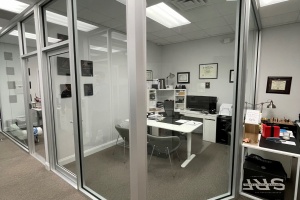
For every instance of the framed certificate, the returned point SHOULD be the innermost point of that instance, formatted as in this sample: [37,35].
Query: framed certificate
[279,85]
[208,71]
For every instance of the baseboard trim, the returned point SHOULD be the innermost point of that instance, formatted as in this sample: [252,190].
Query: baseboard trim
[89,152]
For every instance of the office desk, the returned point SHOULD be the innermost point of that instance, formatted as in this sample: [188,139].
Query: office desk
[183,128]
[268,146]
[209,123]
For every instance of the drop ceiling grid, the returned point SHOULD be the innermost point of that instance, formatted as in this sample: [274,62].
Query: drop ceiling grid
[220,23]
[280,14]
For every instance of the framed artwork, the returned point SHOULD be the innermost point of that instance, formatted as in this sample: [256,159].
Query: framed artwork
[231,76]
[149,75]
[208,71]
[279,84]
[65,90]
[183,77]
[86,68]
[88,89]
[63,66]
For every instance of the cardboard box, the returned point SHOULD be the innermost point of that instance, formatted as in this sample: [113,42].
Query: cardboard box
[267,181]
[251,131]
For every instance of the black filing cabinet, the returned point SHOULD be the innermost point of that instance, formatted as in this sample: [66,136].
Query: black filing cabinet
[223,133]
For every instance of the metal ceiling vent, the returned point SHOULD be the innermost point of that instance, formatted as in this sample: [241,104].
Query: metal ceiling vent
[188,4]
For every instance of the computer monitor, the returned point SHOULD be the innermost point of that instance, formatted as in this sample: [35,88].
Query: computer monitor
[202,103]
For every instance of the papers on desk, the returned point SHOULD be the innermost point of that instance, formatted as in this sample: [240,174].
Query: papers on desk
[188,122]
[290,132]
[182,121]
[193,123]
[288,142]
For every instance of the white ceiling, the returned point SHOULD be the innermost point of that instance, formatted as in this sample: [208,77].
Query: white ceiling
[216,18]
[280,14]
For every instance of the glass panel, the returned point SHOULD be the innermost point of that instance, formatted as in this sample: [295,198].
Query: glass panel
[104,98]
[62,110]
[30,36]
[36,106]
[190,52]
[251,62]
[56,27]
[12,93]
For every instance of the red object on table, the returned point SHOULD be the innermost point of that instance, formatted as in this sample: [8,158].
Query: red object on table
[270,131]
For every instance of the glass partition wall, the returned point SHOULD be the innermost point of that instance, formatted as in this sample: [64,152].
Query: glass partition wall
[12,88]
[85,79]
[193,58]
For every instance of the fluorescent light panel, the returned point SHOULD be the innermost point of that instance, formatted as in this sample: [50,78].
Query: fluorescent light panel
[166,16]
[102,49]
[270,2]
[13,6]
[33,36]
[63,21]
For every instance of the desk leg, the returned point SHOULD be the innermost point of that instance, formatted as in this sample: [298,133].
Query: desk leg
[297,179]
[190,156]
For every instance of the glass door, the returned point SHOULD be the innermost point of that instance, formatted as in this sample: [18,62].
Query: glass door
[62,115]
[35,108]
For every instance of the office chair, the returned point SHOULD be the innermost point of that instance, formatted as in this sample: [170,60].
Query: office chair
[169,108]
[164,145]
[124,134]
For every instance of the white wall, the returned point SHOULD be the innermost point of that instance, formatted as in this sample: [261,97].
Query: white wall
[186,57]
[280,56]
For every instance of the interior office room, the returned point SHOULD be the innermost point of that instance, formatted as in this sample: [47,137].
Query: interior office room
[123,108]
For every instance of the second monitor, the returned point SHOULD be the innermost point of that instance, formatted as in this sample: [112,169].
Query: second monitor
[202,103]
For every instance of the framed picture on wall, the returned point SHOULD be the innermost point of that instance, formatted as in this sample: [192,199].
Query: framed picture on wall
[63,66]
[65,91]
[208,71]
[86,68]
[88,89]
[149,75]
[279,84]
[231,76]
[183,77]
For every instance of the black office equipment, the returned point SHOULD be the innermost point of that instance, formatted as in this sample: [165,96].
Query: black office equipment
[202,103]
[264,178]
[223,133]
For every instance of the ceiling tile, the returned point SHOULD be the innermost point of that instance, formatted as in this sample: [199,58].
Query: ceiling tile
[201,13]
[230,19]
[92,16]
[219,30]
[176,38]
[161,41]
[195,35]
[164,33]
[186,28]
[233,27]
[227,8]
[112,23]
[151,37]
[280,8]
[153,26]
[211,23]
[280,19]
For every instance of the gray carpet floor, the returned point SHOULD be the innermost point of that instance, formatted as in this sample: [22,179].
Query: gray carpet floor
[22,177]
[205,177]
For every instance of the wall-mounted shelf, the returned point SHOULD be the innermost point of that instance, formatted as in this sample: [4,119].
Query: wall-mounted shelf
[166,94]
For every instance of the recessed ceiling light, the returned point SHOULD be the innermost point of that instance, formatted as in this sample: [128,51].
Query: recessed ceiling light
[270,2]
[63,21]
[166,16]
[33,36]
[13,6]
[102,49]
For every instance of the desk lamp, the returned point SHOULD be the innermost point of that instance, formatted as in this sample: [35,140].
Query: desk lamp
[270,105]
[170,76]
